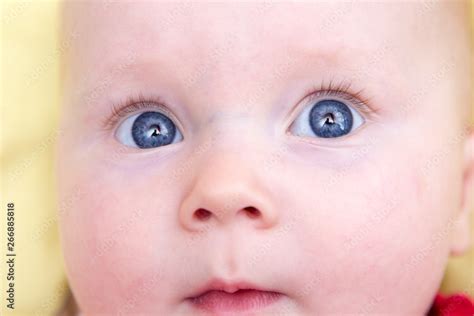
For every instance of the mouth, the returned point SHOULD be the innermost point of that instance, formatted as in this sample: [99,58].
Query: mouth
[220,297]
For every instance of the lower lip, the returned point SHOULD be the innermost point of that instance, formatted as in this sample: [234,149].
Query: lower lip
[242,300]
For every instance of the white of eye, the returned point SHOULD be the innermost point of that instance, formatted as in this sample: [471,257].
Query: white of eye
[124,132]
[301,126]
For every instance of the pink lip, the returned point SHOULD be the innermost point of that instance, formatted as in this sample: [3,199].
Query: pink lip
[221,297]
[243,300]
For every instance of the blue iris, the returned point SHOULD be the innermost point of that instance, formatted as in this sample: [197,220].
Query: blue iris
[153,129]
[330,118]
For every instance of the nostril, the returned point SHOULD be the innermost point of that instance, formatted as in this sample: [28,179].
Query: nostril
[252,211]
[202,214]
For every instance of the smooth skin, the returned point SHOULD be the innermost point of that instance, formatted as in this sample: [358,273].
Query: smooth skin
[363,223]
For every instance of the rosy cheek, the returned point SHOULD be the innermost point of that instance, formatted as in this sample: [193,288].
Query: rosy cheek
[353,227]
[396,242]
[108,233]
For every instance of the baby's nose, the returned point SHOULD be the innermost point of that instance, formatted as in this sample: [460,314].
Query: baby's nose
[227,191]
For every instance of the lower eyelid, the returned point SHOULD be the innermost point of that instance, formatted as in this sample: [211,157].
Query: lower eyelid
[347,140]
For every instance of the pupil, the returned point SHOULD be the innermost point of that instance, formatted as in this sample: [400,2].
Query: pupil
[329,119]
[155,130]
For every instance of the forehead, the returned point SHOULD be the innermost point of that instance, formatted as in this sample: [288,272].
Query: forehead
[184,34]
[211,46]
[185,25]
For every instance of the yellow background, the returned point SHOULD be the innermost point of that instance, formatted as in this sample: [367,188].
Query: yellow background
[30,99]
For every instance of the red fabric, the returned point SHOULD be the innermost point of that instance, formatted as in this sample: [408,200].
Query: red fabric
[455,305]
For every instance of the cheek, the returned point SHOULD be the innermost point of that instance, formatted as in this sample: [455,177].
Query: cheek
[378,222]
[113,236]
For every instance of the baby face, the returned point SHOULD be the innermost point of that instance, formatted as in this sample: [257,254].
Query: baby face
[315,153]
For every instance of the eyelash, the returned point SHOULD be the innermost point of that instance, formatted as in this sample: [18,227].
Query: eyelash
[344,91]
[139,102]
[134,104]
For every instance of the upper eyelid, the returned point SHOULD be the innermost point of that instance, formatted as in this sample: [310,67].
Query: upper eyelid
[122,110]
[343,91]
[359,104]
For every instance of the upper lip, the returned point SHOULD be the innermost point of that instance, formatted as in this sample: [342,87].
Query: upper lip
[230,286]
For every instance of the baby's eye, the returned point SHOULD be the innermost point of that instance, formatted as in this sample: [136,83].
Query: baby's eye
[147,130]
[327,118]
